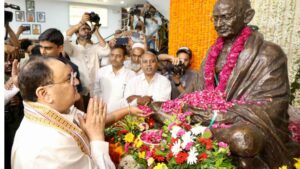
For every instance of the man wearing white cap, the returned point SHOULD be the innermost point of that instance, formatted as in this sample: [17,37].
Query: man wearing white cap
[138,49]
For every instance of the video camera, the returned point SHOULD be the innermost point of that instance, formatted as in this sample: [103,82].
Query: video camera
[95,18]
[176,69]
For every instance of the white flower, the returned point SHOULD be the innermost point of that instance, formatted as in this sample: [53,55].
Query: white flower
[198,130]
[175,130]
[192,158]
[187,138]
[150,161]
[176,148]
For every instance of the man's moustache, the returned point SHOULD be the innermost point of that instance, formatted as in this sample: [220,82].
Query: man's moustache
[86,37]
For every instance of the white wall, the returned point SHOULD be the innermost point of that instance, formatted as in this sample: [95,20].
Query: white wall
[57,16]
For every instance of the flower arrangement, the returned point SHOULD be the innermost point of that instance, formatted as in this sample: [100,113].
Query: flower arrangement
[296,165]
[189,146]
[176,144]
[122,135]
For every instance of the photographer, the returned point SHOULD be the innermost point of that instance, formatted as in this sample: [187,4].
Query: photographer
[178,70]
[152,22]
[135,18]
[85,54]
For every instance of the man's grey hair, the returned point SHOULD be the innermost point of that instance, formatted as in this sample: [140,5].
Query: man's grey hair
[150,53]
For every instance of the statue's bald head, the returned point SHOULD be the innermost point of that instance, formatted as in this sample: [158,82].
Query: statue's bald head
[231,16]
[240,5]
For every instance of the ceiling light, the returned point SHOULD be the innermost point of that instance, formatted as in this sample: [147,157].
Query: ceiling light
[122,2]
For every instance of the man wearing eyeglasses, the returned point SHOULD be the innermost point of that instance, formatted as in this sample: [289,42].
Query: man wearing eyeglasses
[54,134]
[51,43]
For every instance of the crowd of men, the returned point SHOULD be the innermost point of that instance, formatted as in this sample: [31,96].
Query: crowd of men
[48,91]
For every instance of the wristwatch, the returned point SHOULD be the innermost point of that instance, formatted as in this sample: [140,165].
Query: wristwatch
[177,84]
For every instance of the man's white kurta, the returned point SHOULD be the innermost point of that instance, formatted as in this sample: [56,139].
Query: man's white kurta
[159,88]
[41,147]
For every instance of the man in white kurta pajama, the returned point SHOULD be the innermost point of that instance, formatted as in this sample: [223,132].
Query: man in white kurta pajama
[48,136]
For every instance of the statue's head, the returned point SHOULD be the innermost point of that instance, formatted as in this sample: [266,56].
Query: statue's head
[231,16]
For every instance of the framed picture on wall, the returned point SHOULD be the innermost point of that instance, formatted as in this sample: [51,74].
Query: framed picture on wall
[30,16]
[40,17]
[36,29]
[20,16]
[28,30]
[30,6]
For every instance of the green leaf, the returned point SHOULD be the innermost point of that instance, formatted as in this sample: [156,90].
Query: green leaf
[207,134]
[160,153]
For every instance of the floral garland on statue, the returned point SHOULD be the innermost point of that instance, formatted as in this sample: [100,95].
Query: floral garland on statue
[213,98]
[232,57]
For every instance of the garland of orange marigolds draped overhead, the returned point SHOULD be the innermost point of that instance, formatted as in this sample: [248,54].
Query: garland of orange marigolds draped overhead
[191,26]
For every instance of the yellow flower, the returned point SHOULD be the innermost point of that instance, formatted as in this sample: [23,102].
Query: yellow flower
[138,143]
[129,137]
[283,167]
[150,161]
[297,164]
[142,154]
[161,166]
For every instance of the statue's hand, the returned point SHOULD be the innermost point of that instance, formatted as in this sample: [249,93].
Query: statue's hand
[159,116]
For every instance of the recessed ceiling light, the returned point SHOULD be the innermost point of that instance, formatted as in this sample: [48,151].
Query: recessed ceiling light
[122,2]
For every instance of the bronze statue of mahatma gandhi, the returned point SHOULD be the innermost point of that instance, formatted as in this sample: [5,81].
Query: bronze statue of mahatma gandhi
[258,136]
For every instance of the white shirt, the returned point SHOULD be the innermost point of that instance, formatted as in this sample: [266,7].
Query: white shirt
[111,87]
[151,27]
[8,94]
[159,88]
[136,20]
[41,147]
[87,59]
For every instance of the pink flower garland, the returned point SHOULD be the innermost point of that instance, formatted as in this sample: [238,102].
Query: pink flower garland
[231,61]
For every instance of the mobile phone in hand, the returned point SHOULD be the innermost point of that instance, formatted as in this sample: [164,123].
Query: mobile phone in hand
[26,28]
[136,35]
[122,41]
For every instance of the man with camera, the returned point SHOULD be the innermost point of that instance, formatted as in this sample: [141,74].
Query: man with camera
[85,53]
[135,17]
[179,71]
[152,22]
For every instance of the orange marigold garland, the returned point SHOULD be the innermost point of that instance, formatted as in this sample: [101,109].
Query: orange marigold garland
[191,26]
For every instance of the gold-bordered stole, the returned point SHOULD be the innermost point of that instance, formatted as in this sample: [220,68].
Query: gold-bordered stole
[46,116]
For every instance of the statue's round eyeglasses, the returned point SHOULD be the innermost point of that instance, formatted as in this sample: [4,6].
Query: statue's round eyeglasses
[223,18]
